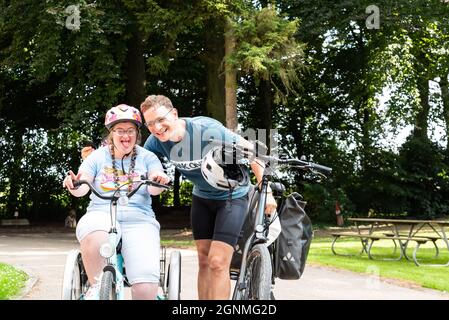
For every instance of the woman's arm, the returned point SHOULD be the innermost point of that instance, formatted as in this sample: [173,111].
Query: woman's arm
[71,177]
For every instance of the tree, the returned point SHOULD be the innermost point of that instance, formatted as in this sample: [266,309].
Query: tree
[267,50]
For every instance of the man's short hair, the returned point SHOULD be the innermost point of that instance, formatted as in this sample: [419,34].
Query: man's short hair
[155,101]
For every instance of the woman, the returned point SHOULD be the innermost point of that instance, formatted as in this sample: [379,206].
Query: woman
[118,163]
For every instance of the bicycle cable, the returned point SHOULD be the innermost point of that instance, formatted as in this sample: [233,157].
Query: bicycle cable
[114,195]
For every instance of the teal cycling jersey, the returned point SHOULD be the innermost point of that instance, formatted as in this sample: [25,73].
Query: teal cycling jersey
[187,154]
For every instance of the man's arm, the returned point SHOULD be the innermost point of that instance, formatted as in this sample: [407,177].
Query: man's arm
[258,167]
[86,151]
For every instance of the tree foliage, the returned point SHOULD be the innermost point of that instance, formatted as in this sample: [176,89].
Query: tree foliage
[335,90]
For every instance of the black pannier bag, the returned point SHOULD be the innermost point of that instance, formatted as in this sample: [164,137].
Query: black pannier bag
[292,245]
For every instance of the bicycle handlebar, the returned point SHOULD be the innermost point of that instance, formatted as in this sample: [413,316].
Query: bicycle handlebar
[141,182]
[295,162]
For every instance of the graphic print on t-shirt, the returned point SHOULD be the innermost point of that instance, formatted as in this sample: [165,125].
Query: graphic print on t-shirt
[107,178]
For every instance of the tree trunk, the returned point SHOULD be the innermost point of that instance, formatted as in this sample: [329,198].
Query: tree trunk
[135,71]
[136,81]
[213,59]
[231,79]
[266,104]
[366,141]
[15,171]
[445,98]
[421,121]
[264,110]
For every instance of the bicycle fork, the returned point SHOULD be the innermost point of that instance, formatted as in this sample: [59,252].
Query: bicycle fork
[241,283]
[113,264]
[108,250]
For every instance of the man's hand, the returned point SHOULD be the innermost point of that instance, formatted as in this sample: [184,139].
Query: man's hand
[86,151]
[270,205]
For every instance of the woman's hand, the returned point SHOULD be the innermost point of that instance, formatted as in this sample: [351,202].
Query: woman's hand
[69,179]
[159,177]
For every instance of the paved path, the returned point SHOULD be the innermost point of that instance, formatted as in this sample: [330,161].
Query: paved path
[43,255]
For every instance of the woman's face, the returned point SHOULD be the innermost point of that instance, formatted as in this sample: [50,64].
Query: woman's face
[160,122]
[124,136]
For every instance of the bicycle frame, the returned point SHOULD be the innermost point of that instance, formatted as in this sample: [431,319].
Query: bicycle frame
[252,248]
[108,250]
[259,234]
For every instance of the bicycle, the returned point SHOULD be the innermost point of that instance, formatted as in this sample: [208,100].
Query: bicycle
[255,277]
[75,282]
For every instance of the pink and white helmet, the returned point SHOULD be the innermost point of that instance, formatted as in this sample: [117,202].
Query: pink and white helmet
[122,113]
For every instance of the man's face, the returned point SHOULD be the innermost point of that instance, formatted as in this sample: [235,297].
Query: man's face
[160,121]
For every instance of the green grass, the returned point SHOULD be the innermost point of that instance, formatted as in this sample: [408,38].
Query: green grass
[185,244]
[320,253]
[425,276]
[11,281]
[177,238]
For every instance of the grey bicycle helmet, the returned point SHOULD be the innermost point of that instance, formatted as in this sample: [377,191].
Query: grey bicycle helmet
[220,175]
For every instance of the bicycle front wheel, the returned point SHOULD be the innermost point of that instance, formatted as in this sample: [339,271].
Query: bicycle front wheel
[107,289]
[257,275]
[174,277]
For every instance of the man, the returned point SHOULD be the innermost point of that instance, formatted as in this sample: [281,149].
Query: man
[216,224]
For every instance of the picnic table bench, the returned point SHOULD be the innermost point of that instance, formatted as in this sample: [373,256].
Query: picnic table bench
[369,237]
[367,241]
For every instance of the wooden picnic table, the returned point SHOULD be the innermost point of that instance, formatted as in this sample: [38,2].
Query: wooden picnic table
[402,230]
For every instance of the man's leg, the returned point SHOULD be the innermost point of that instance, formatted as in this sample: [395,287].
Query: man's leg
[203,247]
[228,223]
[219,261]
[203,221]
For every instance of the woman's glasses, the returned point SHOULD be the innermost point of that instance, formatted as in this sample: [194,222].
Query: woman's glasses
[130,132]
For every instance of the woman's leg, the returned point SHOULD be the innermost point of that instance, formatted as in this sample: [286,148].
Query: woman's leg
[144,291]
[90,252]
[141,253]
[92,232]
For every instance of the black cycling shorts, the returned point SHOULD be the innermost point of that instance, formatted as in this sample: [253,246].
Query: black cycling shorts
[215,220]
